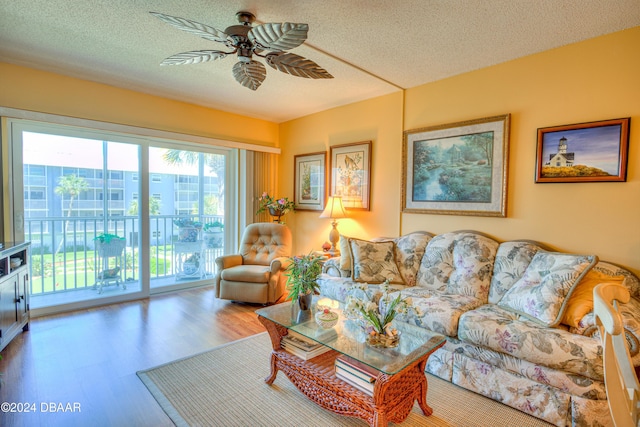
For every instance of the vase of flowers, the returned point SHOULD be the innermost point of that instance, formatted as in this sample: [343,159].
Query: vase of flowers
[302,275]
[277,207]
[376,313]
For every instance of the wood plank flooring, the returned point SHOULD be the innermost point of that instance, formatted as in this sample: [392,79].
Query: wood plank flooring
[88,359]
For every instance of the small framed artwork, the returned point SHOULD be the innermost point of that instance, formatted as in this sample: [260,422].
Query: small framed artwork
[585,152]
[310,190]
[457,169]
[351,174]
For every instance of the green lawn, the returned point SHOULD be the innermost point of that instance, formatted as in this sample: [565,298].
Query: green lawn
[78,270]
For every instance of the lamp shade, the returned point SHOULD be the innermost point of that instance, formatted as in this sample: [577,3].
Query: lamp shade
[334,208]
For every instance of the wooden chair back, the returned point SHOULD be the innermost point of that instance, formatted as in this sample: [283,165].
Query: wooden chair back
[621,383]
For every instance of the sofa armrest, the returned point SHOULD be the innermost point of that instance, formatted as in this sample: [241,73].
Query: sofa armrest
[228,261]
[332,268]
[630,313]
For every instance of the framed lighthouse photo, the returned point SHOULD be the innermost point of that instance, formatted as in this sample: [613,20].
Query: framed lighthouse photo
[584,152]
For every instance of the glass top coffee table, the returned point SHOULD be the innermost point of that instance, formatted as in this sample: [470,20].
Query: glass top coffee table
[400,371]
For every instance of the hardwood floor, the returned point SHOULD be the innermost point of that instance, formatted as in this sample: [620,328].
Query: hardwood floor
[88,359]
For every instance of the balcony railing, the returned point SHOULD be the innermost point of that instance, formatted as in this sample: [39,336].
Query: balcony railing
[64,256]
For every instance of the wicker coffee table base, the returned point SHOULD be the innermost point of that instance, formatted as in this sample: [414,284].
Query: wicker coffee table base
[393,395]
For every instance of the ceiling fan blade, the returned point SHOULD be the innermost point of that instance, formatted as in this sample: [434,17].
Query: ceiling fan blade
[249,74]
[196,28]
[296,65]
[276,36]
[194,57]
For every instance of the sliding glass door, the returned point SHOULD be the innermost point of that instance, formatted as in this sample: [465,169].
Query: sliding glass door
[186,214]
[75,195]
[106,213]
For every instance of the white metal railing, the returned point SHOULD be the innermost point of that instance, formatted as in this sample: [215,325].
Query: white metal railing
[64,256]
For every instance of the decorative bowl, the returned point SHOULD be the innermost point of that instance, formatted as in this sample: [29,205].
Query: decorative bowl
[326,319]
[383,340]
[15,262]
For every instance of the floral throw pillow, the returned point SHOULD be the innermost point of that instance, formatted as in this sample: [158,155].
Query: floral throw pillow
[373,262]
[547,283]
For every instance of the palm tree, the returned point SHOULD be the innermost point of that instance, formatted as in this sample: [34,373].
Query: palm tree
[72,186]
[215,163]
[154,207]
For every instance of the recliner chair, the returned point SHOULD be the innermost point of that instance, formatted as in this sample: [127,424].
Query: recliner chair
[256,273]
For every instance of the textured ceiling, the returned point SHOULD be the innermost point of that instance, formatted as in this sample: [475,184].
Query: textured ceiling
[405,43]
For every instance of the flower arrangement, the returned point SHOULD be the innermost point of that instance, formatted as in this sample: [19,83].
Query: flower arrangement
[269,203]
[378,311]
[187,222]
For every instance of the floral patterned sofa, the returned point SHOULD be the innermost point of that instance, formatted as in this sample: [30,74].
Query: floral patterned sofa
[518,317]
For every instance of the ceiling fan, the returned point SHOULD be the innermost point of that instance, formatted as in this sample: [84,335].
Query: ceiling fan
[268,41]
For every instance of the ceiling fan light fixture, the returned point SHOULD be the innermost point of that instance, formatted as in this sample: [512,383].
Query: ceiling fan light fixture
[246,40]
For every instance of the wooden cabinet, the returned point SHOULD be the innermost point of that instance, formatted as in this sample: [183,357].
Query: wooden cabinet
[14,291]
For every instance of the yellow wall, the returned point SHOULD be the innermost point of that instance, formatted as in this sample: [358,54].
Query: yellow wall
[378,120]
[593,80]
[34,90]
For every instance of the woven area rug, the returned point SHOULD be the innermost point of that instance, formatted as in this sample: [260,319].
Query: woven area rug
[225,387]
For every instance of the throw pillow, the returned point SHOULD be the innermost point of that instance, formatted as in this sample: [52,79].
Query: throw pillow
[546,285]
[373,262]
[345,253]
[409,252]
[581,301]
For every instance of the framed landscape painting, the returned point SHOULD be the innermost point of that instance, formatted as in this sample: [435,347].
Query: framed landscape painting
[457,169]
[310,190]
[351,174]
[585,152]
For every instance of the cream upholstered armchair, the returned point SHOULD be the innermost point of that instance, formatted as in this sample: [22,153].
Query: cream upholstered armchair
[256,274]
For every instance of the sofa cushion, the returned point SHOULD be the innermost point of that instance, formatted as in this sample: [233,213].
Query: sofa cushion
[247,273]
[504,331]
[581,300]
[440,312]
[409,252]
[373,262]
[458,263]
[547,283]
[512,259]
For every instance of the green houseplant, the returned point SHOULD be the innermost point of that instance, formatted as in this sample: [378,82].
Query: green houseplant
[214,226]
[302,275]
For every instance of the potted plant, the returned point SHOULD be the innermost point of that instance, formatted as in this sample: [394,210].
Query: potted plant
[191,264]
[302,275]
[188,229]
[213,234]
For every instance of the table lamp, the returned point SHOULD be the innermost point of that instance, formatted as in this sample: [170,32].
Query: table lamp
[334,210]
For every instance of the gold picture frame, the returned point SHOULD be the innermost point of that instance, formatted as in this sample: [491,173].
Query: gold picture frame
[310,181]
[457,168]
[350,175]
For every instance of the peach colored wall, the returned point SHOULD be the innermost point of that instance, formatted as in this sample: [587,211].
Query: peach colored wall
[40,91]
[593,80]
[377,120]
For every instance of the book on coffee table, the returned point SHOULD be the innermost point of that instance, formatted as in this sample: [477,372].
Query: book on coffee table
[355,373]
[302,346]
